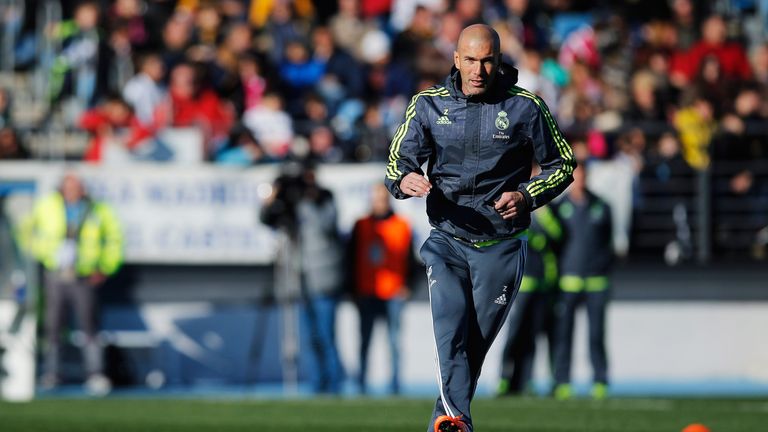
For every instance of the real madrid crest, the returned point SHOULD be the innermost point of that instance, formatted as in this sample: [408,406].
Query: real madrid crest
[502,122]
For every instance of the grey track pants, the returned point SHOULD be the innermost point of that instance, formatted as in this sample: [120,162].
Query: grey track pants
[470,291]
[81,297]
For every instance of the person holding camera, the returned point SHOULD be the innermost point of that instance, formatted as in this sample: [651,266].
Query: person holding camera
[309,262]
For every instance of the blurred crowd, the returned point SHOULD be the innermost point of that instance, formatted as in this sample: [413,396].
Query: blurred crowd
[664,88]
[655,82]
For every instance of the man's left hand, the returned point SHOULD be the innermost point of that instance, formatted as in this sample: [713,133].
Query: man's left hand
[511,205]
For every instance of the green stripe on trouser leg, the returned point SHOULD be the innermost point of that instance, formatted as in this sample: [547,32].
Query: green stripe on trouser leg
[575,284]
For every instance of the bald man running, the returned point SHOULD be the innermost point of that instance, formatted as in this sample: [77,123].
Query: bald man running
[479,134]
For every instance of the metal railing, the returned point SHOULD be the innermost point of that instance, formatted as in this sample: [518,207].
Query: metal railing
[685,214]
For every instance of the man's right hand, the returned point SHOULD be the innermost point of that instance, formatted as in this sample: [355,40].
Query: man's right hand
[415,184]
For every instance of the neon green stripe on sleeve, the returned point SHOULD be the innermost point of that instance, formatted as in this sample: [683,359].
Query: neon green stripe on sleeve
[393,173]
[556,178]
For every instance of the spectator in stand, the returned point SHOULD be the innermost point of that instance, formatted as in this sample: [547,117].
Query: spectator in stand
[189,104]
[205,36]
[530,77]
[630,153]
[665,161]
[281,28]
[512,47]
[580,47]
[80,68]
[232,12]
[120,67]
[658,37]
[5,107]
[373,139]
[381,260]
[314,114]
[252,81]
[710,84]
[323,145]
[385,77]
[11,147]
[448,33]
[696,123]
[759,62]
[376,9]
[242,149]
[470,11]
[177,37]
[686,23]
[144,91]
[578,119]
[337,62]
[730,55]
[300,72]
[645,108]
[128,14]
[115,132]
[420,31]
[271,125]
[347,27]
[580,100]
[224,70]
[524,22]
[741,139]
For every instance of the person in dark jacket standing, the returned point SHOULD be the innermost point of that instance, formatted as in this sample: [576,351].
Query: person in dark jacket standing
[479,134]
[586,255]
[532,311]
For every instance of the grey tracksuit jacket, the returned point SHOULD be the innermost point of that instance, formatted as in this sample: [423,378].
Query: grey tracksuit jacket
[476,149]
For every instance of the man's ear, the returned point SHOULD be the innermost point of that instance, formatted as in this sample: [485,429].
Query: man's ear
[456,59]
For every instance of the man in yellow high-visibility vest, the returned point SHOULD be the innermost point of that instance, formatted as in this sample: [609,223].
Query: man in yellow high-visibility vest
[79,242]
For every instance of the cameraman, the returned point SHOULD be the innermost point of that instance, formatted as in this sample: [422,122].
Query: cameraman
[309,262]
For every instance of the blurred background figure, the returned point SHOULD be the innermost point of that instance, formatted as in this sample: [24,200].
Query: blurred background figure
[190,103]
[241,149]
[309,264]
[381,260]
[79,242]
[116,133]
[5,108]
[144,91]
[11,147]
[80,68]
[532,312]
[271,125]
[585,263]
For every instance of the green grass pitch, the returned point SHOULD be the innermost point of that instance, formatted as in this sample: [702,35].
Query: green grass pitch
[378,415]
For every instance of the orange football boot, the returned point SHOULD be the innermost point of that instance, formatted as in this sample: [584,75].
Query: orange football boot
[450,424]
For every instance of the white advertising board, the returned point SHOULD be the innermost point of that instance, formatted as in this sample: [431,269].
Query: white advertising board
[195,214]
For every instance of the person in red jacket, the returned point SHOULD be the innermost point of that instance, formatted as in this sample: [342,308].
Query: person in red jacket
[190,105]
[382,254]
[731,55]
[115,131]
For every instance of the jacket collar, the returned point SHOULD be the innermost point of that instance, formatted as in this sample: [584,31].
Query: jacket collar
[505,78]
